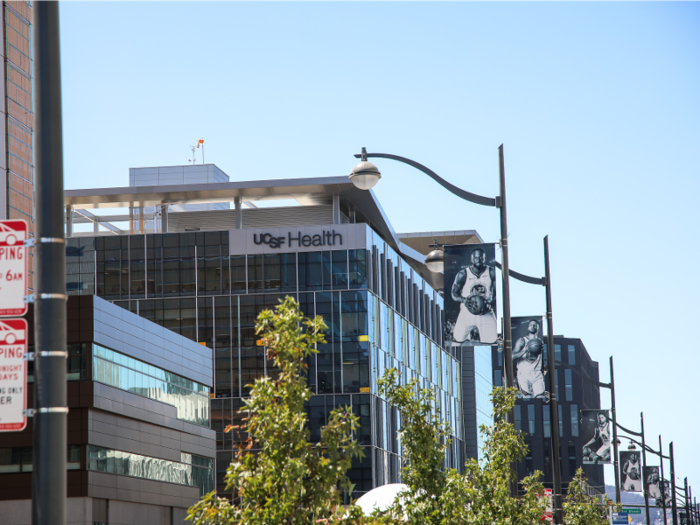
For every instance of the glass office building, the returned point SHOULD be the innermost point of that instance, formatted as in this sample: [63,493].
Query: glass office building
[380,307]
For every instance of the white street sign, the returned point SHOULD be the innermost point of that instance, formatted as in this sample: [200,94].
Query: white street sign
[13,268]
[13,375]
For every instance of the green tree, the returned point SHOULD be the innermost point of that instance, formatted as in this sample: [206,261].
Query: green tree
[485,484]
[582,509]
[287,480]
[479,495]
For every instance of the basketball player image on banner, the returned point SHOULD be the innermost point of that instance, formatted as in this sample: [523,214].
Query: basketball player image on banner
[596,437]
[470,294]
[652,481]
[630,471]
[667,500]
[528,357]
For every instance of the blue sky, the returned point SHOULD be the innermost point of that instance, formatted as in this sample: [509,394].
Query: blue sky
[597,105]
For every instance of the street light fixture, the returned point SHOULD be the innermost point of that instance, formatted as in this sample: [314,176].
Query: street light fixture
[435,260]
[365,175]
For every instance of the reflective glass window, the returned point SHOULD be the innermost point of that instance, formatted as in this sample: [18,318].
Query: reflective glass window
[572,354]
[340,269]
[574,420]
[531,418]
[238,274]
[357,268]
[546,421]
[194,471]
[191,399]
[310,271]
[568,385]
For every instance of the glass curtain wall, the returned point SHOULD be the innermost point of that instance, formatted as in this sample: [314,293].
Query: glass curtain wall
[379,313]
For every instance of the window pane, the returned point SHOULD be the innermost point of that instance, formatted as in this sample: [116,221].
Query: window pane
[574,420]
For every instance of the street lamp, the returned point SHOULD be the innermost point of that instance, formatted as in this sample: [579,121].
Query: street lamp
[365,175]
[435,260]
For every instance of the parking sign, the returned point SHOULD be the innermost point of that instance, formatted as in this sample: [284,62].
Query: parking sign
[13,268]
[13,375]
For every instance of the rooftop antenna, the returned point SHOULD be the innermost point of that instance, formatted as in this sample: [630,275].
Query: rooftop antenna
[193,156]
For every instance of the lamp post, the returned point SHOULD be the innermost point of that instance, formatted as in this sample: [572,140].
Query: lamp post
[551,365]
[365,175]
[611,386]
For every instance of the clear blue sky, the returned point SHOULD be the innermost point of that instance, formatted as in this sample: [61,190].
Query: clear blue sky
[598,105]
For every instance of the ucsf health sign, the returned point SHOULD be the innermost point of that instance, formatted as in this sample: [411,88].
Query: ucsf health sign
[325,238]
[298,239]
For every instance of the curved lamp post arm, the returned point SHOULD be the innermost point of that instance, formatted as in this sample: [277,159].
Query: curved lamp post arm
[467,196]
[646,447]
[629,431]
[524,278]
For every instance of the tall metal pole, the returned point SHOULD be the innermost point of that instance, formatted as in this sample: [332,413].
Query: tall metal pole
[553,401]
[644,464]
[663,480]
[673,485]
[614,418]
[687,504]
[507,337]
[505,271]
[50,436]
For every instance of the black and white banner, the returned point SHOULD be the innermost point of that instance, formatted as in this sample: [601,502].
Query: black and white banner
[652,482]
[597,436]
[528,356]
[630,471]
[470,294]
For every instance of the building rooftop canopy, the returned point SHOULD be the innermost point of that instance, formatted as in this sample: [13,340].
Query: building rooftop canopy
[356,206]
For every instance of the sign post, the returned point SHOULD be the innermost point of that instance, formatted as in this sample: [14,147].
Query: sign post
[13,375]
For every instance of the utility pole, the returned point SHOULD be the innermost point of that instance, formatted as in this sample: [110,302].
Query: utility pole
[50,436]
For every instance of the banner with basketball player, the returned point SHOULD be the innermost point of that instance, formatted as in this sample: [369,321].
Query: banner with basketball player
[652,482]
[470,294]
[630,471]
[597,437]
[528,357]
